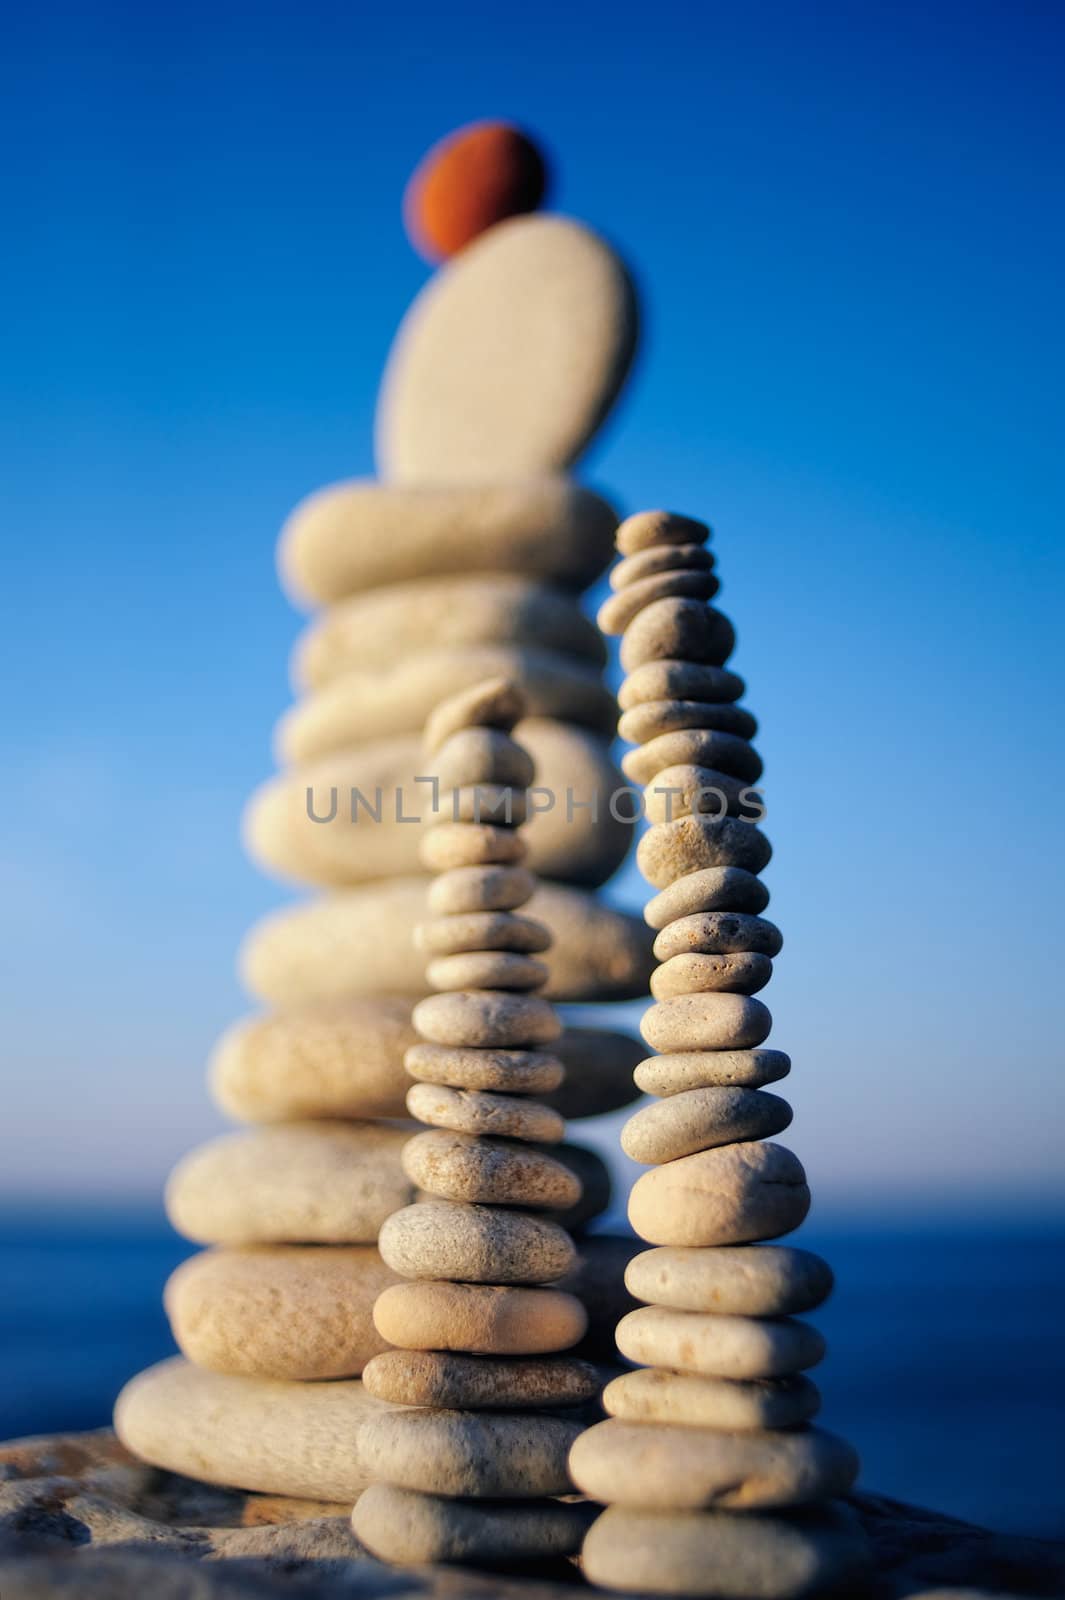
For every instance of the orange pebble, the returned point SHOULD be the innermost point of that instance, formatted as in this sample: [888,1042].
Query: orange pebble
[467,182]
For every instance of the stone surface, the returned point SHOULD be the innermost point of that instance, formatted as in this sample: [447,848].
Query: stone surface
[719,1346]
[470,844]
[660,558]
[619,609]
[683,1070]
[486,1019]
[491,1115]
[406,1526]
[479,889]
[697,1119]
[677,629]
[441,1378]
[482,755]
[732,1195]
[301,1183]
[745,972]
[707,889]
[706,1022]
[687,790]
[456,1066]
[479,1319]
[469,181]
[655,719]
[693,1401]
[509,358]
[654,1467]
[597,1067]
[754,1281]
[474,1244]
[492,1172]
[488,969]
[679,680]
[491,701]
[671,850]
[645,530]
[698,747]
[481,1454]
[361,534]
[279,1311]
[718,932]
[474,931]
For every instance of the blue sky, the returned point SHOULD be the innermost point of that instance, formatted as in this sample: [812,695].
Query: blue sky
[846,222]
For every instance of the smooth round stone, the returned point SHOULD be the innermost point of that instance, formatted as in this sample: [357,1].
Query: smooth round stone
[672,629]
[698,1119]
[718,933]
[587,1072]
[660,558]
[481,1454]
[598,1067]
[262,1434]
[477,889]
[482,755]
[486,1018]
[361,534]
[492,702]
[653,718]
[474,1244]
[716,1556]
[652,1466]
[462,1067]
[619,609]
[479,1319]
[708,889]
[485,1115]
[486,802]
[470,844]
[687,790]
[697,747]
[477,1383]
[679,680]
[719,1346]
[486,969]
[671,850]
[706,1022]
[509,359]
[296,1183]
[768,1280]
[458,1166]
[645,530]
[279,1311]
[409,1528]
[743,973]
[710,1069]
[478,608]
[735,1194]
[698,1402]
[476,931]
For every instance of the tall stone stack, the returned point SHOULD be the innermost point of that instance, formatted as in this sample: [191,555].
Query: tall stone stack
[479,1326]
[716,1481]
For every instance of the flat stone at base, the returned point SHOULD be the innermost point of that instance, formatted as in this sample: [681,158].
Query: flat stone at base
[409,1528]
[717,1556]
[441,1378]
[482,1454]
[719,1346]
[480,1319]
[685,1400]
[769,1280]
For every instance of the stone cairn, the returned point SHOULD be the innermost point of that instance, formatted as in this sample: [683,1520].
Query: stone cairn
[715,1480]
[477,1332]
[462,561]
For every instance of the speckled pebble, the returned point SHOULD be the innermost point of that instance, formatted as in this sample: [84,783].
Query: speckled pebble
[474,1244]
[456,1166]
[706,1022]
[699,1119]
[459,1067]
[690,1401]
[718,933]
[708,889]
[407,1527]
[768,1280]
[492,1115]
[619,609]
[486,1019]
[480,1319]
[646,529]
[671,850]
[686,790]
[716,1346]
[486,969]
[735,1194]
[481,930]
[442,1378]
[479,1454]
[670,629]
[679,680]
[744,972]
[710,1069]
[472,889]
[492,703]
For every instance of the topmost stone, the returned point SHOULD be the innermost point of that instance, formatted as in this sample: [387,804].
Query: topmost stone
[474,178]
[510,357]
[647,529]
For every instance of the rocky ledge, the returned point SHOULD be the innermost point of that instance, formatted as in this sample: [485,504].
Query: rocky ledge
[80,1517]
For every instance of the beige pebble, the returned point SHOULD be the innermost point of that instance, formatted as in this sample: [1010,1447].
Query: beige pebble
[719,1346]
[459,1166]
[408,1527]
[474,1244]
[660,558]
[735,1194]
[686,790]
[480,1319]
[679,680]
[767,1280]
[653,718]
[493,702]
[486,969]
[698,1119]
[710,1069]
[708,889]
[699,747]
[645,530]
[361,534]
[441,1378]
[696,1402]
[464,1067]
[487,1019]
[480,1454]
[481,930]
[718,933]
[672,629]
[495,1115]
[619,609]
[478,889]
[744,972]
[652,1466]
[671,850]
[279,1311]
[292,1183]
[485,802]
[470,844]
[261,1434]
[482,755]
[706,1022]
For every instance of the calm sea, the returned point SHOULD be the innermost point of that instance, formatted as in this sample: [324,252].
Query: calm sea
[946,1363]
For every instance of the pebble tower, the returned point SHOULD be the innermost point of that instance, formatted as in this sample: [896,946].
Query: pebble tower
[716,1480]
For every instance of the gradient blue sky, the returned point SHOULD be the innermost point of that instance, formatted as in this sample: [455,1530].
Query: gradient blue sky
[847,223]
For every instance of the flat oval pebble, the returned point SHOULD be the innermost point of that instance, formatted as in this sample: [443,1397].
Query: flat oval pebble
[486,1018]
[699,747]
[719,1346]
[690,1401]
[710,1069]
[735,1194]
[479,1454]
[408,1527]
[687,790]
[279,1311]
[745,972]
[481,930]
[679,680]
[493,1115]
[476,889]
[768,1280]
[660,558]
[462,1067]
[707,889]
[458,1166]
[474,1244]
[470,844]
[588,1072]
[715,1556]
[486,969]
[598,1067]
[479,1319]
[482,755]
[671,629]
[671,850]
[706,1022]
[653,718]
[652,1466]
[361,534]
[645,530]
[509,358]
[441,1378]
[698,1119]
[619,609]
[718,933]
[492,702]
[486,802]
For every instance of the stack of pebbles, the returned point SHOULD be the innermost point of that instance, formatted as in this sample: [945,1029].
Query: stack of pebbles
[468,1475]
[717,1483]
